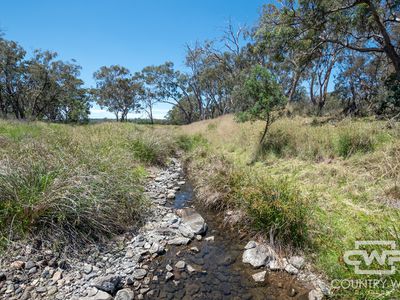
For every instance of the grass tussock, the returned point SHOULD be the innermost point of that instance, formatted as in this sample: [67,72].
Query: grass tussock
[69,184]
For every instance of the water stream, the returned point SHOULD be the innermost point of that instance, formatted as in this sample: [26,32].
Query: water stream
[220,273]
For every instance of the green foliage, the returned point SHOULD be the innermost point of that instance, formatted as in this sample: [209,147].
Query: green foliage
[264,95]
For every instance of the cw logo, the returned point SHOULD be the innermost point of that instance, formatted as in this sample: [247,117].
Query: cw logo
[387,257]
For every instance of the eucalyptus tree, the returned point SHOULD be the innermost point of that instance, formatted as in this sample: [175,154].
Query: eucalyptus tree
[118,91]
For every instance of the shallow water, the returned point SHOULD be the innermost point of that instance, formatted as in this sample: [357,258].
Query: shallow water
[220,273]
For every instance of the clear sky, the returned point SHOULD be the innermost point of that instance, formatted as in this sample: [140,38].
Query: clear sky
[133,33]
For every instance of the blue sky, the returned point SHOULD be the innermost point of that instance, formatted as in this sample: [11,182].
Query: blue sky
[133,33]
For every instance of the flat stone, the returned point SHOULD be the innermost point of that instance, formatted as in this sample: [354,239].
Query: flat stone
[179,241]
[125,294]
[139,273]
[17,265]
[100,295]
[291,269]
[209,239]
[258,256]
[168,268]
[108,284]
[297,261]
[57,276]
[260,276]
[29,265]
[180,265]
[41,289]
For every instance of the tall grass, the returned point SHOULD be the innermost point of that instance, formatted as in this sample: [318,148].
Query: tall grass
[70,184]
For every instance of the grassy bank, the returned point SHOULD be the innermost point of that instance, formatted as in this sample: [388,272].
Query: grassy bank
[71,184]
[317,185]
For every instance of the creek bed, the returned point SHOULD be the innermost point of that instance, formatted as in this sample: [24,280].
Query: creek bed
[220,273]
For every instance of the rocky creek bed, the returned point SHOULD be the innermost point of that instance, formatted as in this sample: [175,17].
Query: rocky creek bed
[178,254]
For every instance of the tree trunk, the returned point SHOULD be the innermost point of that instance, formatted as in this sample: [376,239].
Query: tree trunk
[267,123]
[388,47]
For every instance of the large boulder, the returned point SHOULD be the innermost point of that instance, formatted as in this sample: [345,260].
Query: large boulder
[193,220]
[258,256]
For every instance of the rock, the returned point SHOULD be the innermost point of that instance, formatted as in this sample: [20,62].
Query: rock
[168,276]
[194,249]
[180,265]
[297,261]
[17,265]
[107,283]
[315,295]
[100,295]
[168,268]
[3,277]
[170,195]
[258,256]
[181,182]
[209,239]
[87,269]
[179,241]
[156,248]
[125,294]
[190,269]
[260,276]
[41,289]
[57,276]
[139,273]
[52,290]
[291,269]
[277,264]
[29,265]
[250,245]
[185,231]
[199,237]
[193,220]
[32,271]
